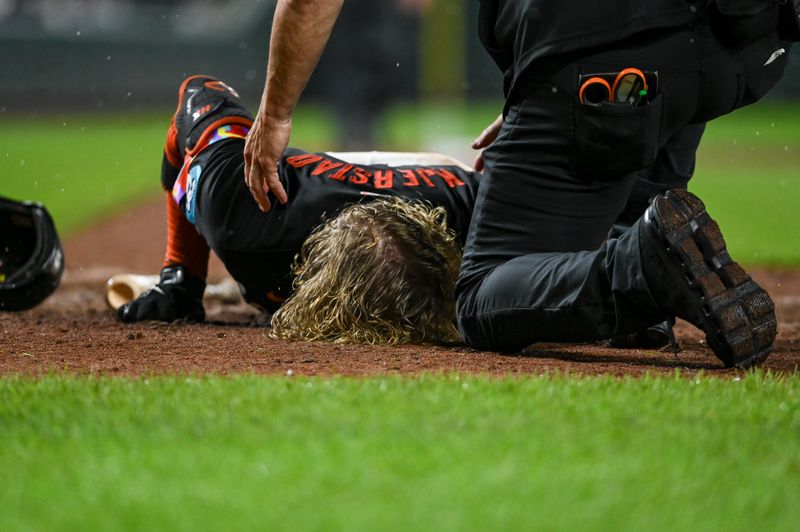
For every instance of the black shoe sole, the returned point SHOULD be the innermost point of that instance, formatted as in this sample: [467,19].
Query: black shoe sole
[719,297]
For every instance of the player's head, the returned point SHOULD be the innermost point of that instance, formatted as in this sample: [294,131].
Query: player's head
[382,272]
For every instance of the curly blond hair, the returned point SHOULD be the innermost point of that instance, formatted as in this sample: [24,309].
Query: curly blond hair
[382,272]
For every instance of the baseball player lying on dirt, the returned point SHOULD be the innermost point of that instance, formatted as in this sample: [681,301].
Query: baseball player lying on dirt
[381,270]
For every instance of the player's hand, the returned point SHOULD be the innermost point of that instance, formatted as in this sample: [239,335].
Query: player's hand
[178,295]
[266,142]
[486,137]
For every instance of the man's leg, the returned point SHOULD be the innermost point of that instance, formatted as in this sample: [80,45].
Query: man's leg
[207,111]
[518,285]
[536,264]
[205,104]
[673,169]
[671,262]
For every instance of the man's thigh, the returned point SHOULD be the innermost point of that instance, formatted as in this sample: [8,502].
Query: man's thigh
[531,200]
[674,167]
[561,172]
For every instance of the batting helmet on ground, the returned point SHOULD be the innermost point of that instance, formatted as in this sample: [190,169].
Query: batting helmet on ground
[31,259]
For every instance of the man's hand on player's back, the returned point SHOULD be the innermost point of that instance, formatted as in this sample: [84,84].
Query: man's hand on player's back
[300,30]
[265,144]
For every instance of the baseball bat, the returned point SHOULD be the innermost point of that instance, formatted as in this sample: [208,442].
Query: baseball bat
[126,287]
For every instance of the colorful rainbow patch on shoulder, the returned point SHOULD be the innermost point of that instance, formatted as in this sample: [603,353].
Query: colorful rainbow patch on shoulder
[231,131]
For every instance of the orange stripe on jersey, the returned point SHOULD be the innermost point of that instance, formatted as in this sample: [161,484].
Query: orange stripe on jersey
[171,150]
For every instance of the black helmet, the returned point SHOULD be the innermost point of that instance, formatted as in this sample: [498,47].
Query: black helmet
[31,259]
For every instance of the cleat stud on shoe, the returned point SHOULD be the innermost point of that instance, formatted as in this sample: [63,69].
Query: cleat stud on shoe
[759,305]
[733,317]
[732,274]
[765,335]
[742,348]
[669,215]
[712,239]
[711,285]
[690,249]
[694,205]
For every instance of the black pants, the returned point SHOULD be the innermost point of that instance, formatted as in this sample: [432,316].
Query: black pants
[544,259]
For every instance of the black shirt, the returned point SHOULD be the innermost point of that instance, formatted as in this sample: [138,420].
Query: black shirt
[518,33]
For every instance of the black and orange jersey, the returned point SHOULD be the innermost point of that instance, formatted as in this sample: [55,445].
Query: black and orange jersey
[258,248]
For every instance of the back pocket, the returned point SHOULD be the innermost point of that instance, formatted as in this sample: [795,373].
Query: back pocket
[613,140]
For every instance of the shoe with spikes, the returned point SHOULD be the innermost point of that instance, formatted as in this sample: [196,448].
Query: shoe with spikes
[691,275]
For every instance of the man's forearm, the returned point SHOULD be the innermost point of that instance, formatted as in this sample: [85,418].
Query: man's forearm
[300,31]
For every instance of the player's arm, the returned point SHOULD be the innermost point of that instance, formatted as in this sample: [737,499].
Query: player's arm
[182,281]
[300,31]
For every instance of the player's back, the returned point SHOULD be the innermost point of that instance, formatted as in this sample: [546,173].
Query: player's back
[258,248]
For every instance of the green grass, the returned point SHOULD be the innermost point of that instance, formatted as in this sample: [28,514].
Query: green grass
[432,453]
[81,167]
[417,127]
[748,174]
[87,166]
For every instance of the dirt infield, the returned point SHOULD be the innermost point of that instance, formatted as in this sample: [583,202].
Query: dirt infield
[74,331]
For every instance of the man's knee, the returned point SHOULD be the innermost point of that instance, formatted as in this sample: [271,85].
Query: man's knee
[491,329]
[484,333]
